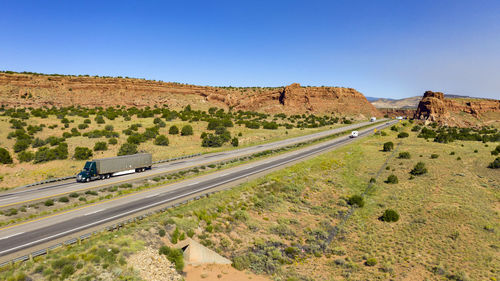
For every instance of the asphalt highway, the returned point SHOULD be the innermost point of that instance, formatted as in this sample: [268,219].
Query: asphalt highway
[9,199]
[32,233]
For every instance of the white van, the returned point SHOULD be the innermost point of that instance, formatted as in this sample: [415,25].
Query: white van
[354,134]
[373,119]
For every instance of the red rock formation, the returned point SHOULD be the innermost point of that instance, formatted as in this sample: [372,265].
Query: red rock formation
[26,90]
[434,107]
[395,112]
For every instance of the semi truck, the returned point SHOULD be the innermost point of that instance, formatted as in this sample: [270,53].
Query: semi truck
[114,166]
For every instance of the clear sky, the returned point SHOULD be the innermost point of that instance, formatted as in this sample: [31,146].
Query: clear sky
[382,48]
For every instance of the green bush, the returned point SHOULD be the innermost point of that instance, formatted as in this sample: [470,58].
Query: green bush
[161,232]
[173,130]
[371,262]
[495,164]
[390,215]
[21,145]
[83,126]
[112,141]
[64,199]
[100,146]
[74,195]
[187,130]
[403,135]
[82,153]
[25,156]
[496,151]
[419,169]
[235,142]
[5,157]
[173,255]
[434,156]
[109,128]
[404,155]
[392,179]
[127,149]
[161,140]
[99,119]
[356,200]
[49,202]
[212,141]
[388,146]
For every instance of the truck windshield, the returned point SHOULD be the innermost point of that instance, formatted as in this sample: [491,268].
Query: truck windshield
[88,165]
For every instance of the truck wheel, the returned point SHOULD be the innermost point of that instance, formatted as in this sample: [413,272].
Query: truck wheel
[87,179]
[107,176]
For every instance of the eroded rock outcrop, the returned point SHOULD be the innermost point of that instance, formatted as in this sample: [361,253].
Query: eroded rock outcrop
[27,90]
[434,107]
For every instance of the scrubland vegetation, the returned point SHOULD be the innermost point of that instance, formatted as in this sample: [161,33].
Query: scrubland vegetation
[357,213]
[37,144]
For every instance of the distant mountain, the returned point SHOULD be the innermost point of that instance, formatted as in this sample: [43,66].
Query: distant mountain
[405,103]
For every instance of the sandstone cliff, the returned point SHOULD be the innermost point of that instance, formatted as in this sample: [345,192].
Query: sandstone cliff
[27,90]
[434,107]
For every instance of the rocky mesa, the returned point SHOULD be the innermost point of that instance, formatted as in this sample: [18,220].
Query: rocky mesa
[33,90]
[434,107]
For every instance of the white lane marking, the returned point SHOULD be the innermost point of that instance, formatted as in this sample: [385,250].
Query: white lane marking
[9,198]
[152,195]
[11,235]
[91,213]
[158,203]
[194,183]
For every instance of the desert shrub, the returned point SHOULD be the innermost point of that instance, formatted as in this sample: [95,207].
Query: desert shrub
[252,125]
[99,119]
[37,142]
[49,202]
[190,233]
[11,212]
[161,140]
[74,195]
[235,142]
[161,232]
[112,141]
[21,145]
[127,149]
[212,141]
[136,138]
[109,128]
[403,135]
[187,130]
[64,199]
[173,130]
[175,236]
[392,179]
[419,169]
[356,200]
[100,146]
[5,157]
[404,155]
[390,215]
[82,153]
[173,255]
[371,262]
[434,156]
[270,125]
[496,151]
[495,164]
[416,128]
[87,121]
[452,153]
[427,133]
[25,156]
[83,126]
[388,146]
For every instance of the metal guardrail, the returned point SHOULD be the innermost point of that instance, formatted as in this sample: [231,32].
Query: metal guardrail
[74,176]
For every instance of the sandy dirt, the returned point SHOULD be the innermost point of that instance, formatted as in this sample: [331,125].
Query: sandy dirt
[214,272]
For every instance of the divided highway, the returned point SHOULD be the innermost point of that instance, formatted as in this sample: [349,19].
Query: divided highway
[42,192]
[32,234]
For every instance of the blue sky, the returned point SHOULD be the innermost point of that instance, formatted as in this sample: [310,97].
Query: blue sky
[382,48]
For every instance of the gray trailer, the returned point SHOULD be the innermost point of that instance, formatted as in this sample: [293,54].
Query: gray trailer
[114,166]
